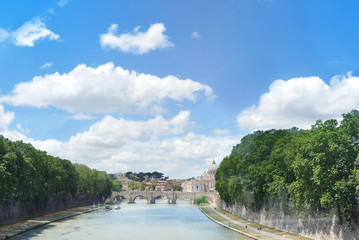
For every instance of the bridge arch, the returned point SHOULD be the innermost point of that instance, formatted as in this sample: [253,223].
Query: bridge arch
[134,197]
[172,196]
[118,197]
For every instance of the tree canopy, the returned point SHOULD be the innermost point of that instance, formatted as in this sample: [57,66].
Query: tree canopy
[315,170]
[141,176]
[29,174]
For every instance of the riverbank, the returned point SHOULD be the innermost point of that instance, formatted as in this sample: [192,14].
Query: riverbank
[249,229]
[13,229]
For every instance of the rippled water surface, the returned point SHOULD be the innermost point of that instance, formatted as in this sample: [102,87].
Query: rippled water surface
[137,221]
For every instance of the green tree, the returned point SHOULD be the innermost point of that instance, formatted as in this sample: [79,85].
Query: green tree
[143,185]
[116,185]
[201,200]
[153,186]
[177,188]
[323,169]
[133,185]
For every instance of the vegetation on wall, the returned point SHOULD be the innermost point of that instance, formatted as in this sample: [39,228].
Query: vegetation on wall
[28,174]
[316,170]
[201,200]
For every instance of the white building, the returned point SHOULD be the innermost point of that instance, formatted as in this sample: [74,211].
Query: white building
[204,183]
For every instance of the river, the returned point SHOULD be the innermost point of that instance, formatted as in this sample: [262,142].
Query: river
[137,221]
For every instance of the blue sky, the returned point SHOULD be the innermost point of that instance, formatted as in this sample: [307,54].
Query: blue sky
[170,85]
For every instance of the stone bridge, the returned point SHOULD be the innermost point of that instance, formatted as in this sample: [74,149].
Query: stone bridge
[172,196]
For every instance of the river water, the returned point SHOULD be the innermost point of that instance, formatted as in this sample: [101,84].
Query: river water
[138,221]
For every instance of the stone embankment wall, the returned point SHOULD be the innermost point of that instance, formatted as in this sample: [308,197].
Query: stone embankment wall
[19,209]
[315,227]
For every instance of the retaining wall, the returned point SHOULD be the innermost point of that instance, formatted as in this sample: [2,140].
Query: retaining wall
[321,226]
[19,209]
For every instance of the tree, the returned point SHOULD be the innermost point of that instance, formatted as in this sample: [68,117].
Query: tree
[31,175]
[157,175]
[201,200]
[143,185]
[177,188]
[316,169]
[153,186]
[324,166]
[116,185]
[133,185]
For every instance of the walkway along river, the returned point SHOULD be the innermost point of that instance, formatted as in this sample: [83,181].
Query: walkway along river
[137,221]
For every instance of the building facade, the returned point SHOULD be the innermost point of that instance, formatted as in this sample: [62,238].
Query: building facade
[204,183]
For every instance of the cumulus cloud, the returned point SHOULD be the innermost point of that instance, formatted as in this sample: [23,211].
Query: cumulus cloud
[3,35]
[300,102]
[126,145]
[5,118]
[46,65]
[32,31]
[137,42]
[81,116]
[104,89]
[220,131]
[159,144]
[179,157]
[115,132]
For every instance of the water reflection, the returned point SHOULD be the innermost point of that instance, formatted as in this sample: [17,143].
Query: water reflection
[137,221]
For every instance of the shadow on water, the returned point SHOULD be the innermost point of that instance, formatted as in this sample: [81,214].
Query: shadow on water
[38,231]
[33,233]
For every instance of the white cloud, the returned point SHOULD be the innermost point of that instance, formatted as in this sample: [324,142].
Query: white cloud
[115,132]
[62,3]
[104,89]
[195,35]
[3,35]
[123,145]
[81,116]
[21,129]
[137,42]
[32,31]
[178,157]
[5,118]
[300,102]
[46,65]
[220,131]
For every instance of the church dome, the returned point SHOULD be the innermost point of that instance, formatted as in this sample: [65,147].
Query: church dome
[212,168]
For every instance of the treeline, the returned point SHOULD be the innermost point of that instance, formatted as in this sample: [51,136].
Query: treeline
[315,170]
[141,176]
[30,175]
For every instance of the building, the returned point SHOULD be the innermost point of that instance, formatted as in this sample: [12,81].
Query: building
[123,179]
[204,183]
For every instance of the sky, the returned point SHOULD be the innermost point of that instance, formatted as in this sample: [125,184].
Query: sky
[169,86]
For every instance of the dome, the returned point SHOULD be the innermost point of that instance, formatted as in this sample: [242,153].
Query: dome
[212,168]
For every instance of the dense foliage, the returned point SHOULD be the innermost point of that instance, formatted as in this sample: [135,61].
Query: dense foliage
[201,200]
[116,185]
[133,185]
[31,175]
[141,176]
[177,188]
[316,170]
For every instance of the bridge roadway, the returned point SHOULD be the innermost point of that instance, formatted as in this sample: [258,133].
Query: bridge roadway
[172,196]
